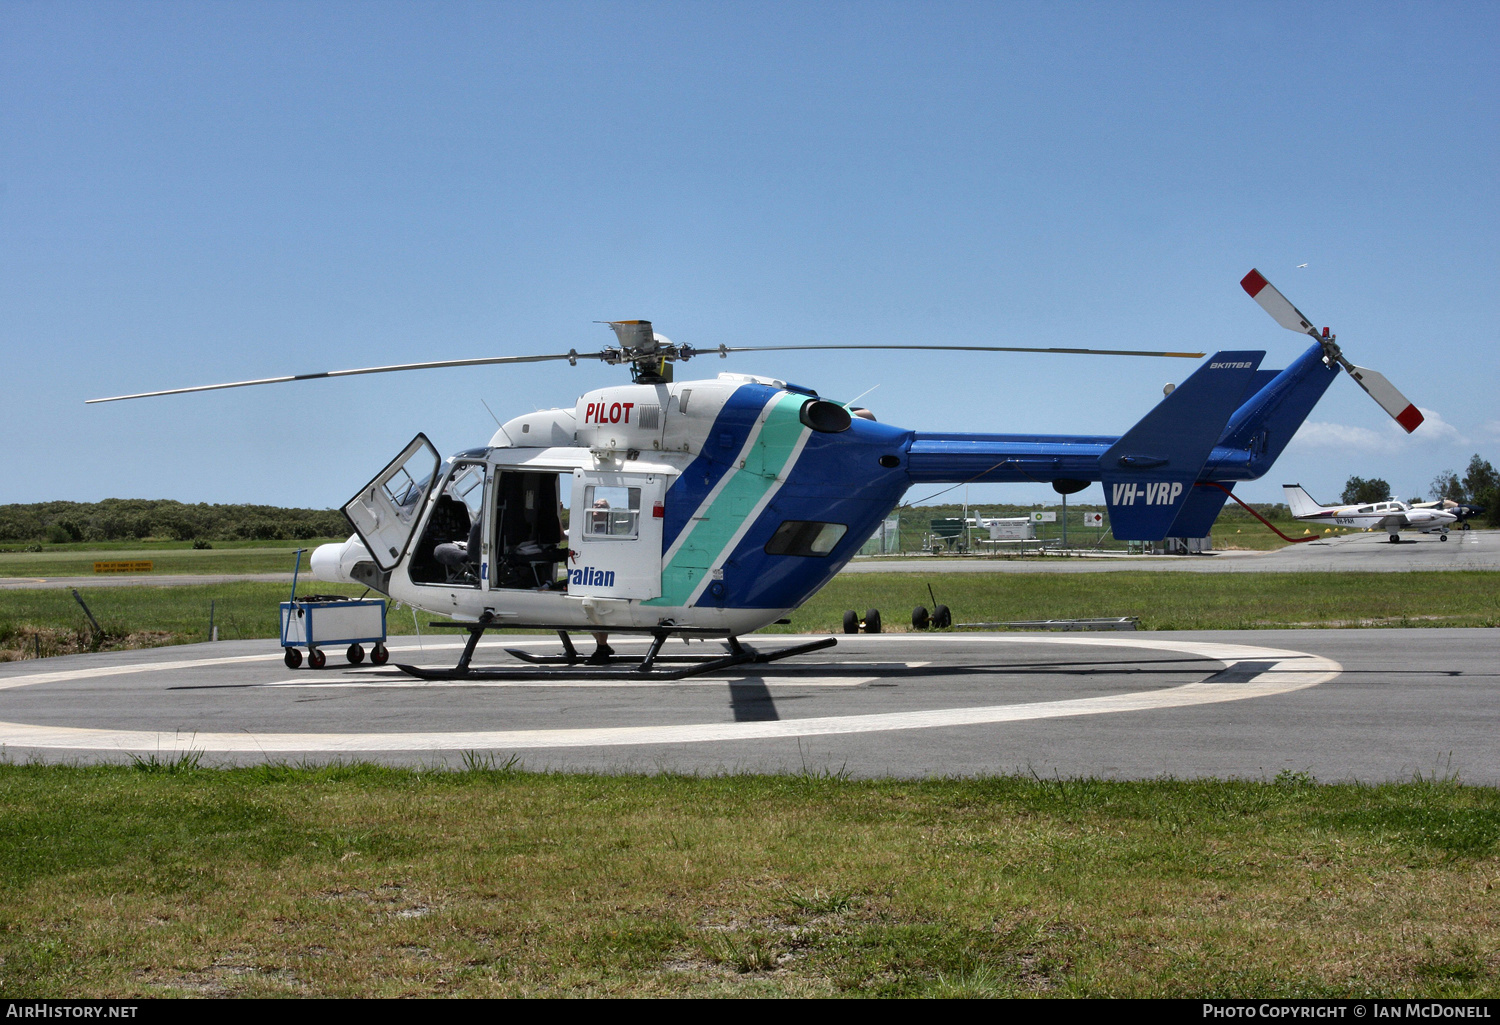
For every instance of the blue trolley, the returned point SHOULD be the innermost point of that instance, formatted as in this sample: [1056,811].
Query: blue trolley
[315,625]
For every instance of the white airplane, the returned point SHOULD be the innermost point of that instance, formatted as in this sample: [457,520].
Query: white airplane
[1391,516]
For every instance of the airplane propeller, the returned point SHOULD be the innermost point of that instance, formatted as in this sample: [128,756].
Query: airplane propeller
[1375,384]
[648,354]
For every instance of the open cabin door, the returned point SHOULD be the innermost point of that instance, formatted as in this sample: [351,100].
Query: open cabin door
[615,532]
[386,510]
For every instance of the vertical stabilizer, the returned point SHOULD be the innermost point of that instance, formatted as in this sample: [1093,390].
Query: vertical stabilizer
[1300,502]
[1148,475]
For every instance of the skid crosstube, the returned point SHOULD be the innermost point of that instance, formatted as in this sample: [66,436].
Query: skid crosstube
[572,665]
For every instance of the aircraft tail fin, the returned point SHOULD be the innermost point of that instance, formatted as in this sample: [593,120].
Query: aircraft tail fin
[1300,502]
[1148,475]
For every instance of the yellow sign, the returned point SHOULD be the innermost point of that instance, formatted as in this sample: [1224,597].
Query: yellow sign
[123,567]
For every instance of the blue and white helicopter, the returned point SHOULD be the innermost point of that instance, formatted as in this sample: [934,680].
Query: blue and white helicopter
[711,508]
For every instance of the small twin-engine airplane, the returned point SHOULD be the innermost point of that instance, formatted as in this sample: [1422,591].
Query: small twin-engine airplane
[1392,517]
[711,508]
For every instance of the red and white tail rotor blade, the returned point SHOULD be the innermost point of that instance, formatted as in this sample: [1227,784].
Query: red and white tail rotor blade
[1375,385]
[1276,304]
[1391,400]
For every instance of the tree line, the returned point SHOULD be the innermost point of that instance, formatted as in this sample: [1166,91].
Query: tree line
[1479,485]
[119,519]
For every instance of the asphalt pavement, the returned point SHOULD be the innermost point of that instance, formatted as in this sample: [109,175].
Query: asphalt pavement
[1362,552]
[1369,705]
[1369,553]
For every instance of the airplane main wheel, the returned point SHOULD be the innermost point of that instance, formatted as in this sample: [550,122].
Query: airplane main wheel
[380,654]
[851,622]
[1395,540]
[942,619]
[919,618]
[292,657]
[872,621]
[1443,536]
[316,659]
[355,654]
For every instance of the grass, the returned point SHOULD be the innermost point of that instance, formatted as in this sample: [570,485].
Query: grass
[1167,601]
[167,878]
[75,560]
[134,617]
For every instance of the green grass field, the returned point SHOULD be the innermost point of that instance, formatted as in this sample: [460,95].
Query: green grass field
[75,560]
[147,616]
[1167,601]
[361,881]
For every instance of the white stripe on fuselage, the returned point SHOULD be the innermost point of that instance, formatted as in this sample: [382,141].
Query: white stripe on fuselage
[708,500]
[754,516]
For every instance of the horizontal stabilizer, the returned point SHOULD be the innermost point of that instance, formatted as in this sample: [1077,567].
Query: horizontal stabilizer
[1148,475]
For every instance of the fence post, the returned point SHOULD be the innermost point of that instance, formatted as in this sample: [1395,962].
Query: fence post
[98,630]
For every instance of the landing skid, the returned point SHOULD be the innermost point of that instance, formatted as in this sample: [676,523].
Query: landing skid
[575,666]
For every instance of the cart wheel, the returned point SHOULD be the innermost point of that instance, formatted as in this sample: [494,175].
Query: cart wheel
[292,657]
[942,618]
[316,658]
[380,654]
[851,623]
[872,621]
[355,654]
[919,618]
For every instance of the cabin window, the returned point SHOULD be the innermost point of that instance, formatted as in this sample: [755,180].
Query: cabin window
[806,538]
[611,512]
[450,552]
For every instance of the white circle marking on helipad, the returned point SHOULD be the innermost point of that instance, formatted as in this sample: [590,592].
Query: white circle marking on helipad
[1275,671]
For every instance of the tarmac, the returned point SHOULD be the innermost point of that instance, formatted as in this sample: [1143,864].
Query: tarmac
[1366,705]
[1362,552]
[1349,553]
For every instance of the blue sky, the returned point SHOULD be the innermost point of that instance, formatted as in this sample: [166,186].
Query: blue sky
[193,193]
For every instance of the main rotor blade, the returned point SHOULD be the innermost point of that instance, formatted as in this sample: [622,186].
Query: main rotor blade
[486,361]
[954,348]
[1276,304]
[1385,393]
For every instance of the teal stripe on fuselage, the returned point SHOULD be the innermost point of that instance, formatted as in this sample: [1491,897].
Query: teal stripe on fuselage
[709,535]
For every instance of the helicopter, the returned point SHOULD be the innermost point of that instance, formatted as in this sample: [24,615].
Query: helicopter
[711,508]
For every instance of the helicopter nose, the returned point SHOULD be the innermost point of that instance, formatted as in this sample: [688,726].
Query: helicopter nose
[331,562]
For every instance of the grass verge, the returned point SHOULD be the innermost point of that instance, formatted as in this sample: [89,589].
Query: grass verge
[170,879]
[52,622]
[77,560]
[1167,601]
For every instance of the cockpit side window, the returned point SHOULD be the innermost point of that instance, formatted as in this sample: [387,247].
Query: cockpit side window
[450,550]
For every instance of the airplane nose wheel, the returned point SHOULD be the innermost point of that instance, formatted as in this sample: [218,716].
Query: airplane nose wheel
[851,622]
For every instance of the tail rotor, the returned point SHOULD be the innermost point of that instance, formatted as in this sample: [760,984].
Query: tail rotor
[1375,384]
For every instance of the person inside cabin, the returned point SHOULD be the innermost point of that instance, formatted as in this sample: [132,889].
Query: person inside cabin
[599,524]
[599,517]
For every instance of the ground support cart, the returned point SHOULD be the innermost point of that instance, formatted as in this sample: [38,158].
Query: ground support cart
[315,623]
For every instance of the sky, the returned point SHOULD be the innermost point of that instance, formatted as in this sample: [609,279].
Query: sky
[203,192]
